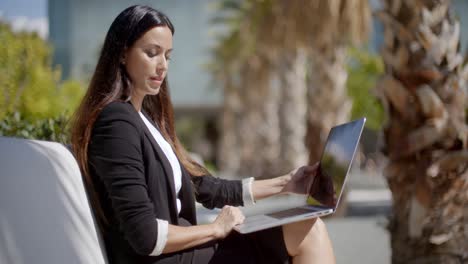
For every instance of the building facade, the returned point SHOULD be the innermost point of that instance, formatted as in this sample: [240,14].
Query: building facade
[78,28]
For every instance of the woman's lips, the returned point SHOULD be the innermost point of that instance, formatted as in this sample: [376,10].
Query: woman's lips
[157,78]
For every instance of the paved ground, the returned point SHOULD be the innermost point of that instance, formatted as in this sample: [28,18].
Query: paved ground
[361,240]
[361,237]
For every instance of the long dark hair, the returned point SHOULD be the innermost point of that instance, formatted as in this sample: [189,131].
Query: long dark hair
[110,82]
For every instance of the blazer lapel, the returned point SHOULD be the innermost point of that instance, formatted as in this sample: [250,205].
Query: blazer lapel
[165,162]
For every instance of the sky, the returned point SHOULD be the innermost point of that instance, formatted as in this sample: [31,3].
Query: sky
[26,15]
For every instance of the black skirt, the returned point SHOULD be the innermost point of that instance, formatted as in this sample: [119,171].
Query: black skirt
[266,246]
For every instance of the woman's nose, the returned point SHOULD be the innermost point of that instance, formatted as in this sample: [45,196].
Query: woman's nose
[160,71]
[162,64]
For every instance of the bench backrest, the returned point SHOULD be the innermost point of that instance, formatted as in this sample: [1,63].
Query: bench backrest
[45,215]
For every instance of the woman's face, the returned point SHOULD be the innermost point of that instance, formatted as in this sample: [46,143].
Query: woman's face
[147,61]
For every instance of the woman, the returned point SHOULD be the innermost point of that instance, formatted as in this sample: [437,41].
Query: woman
[142,182]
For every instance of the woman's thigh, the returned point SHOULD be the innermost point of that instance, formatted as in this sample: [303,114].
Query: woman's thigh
[308,240]
[295,233]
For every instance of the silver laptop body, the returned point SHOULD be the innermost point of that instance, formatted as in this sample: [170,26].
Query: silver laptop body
[335,163]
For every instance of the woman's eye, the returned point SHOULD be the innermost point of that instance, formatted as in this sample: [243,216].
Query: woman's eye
[151,54]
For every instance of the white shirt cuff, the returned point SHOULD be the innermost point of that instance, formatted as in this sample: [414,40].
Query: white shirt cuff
[161,240]
[247,195]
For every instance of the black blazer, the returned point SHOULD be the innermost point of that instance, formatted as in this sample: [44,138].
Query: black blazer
[135,185]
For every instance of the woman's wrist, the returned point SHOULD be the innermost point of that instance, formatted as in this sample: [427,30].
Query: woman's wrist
[262,189]
[265,188]
[257,189]
[217,230]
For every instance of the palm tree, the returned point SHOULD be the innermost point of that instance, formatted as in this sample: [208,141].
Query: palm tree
[284,53]
[325,35]
[425,94]
[249,141]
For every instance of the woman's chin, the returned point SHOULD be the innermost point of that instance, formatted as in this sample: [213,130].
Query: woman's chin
[153,90]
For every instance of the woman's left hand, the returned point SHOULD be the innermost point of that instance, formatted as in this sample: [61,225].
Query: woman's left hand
[297,181]
[302,179]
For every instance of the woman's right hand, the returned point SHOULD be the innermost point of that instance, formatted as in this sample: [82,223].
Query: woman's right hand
[226,220]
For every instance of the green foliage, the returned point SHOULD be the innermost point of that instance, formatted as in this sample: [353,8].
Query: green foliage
[52,129]
[28,82]
[364,69]
[211,167]
[34,103]
[241,36]
[189,129]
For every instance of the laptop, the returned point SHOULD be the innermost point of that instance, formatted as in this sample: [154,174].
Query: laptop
[324,193]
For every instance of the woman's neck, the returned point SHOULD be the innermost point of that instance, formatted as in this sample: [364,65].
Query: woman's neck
[137,101]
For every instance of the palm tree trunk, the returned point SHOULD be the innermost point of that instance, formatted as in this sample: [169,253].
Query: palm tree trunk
[266,30]
[328,103]
[292,112]
[259,125]
[263,128]
[229,148]
[424,92]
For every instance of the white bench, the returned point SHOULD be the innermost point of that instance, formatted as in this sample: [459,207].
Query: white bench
[45,215]
[44,211]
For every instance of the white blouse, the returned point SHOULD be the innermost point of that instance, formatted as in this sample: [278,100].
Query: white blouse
[170,155]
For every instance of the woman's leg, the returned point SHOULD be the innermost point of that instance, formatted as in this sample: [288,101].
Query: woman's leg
[308,242]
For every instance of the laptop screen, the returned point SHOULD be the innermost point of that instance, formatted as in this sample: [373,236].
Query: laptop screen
[335,163]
